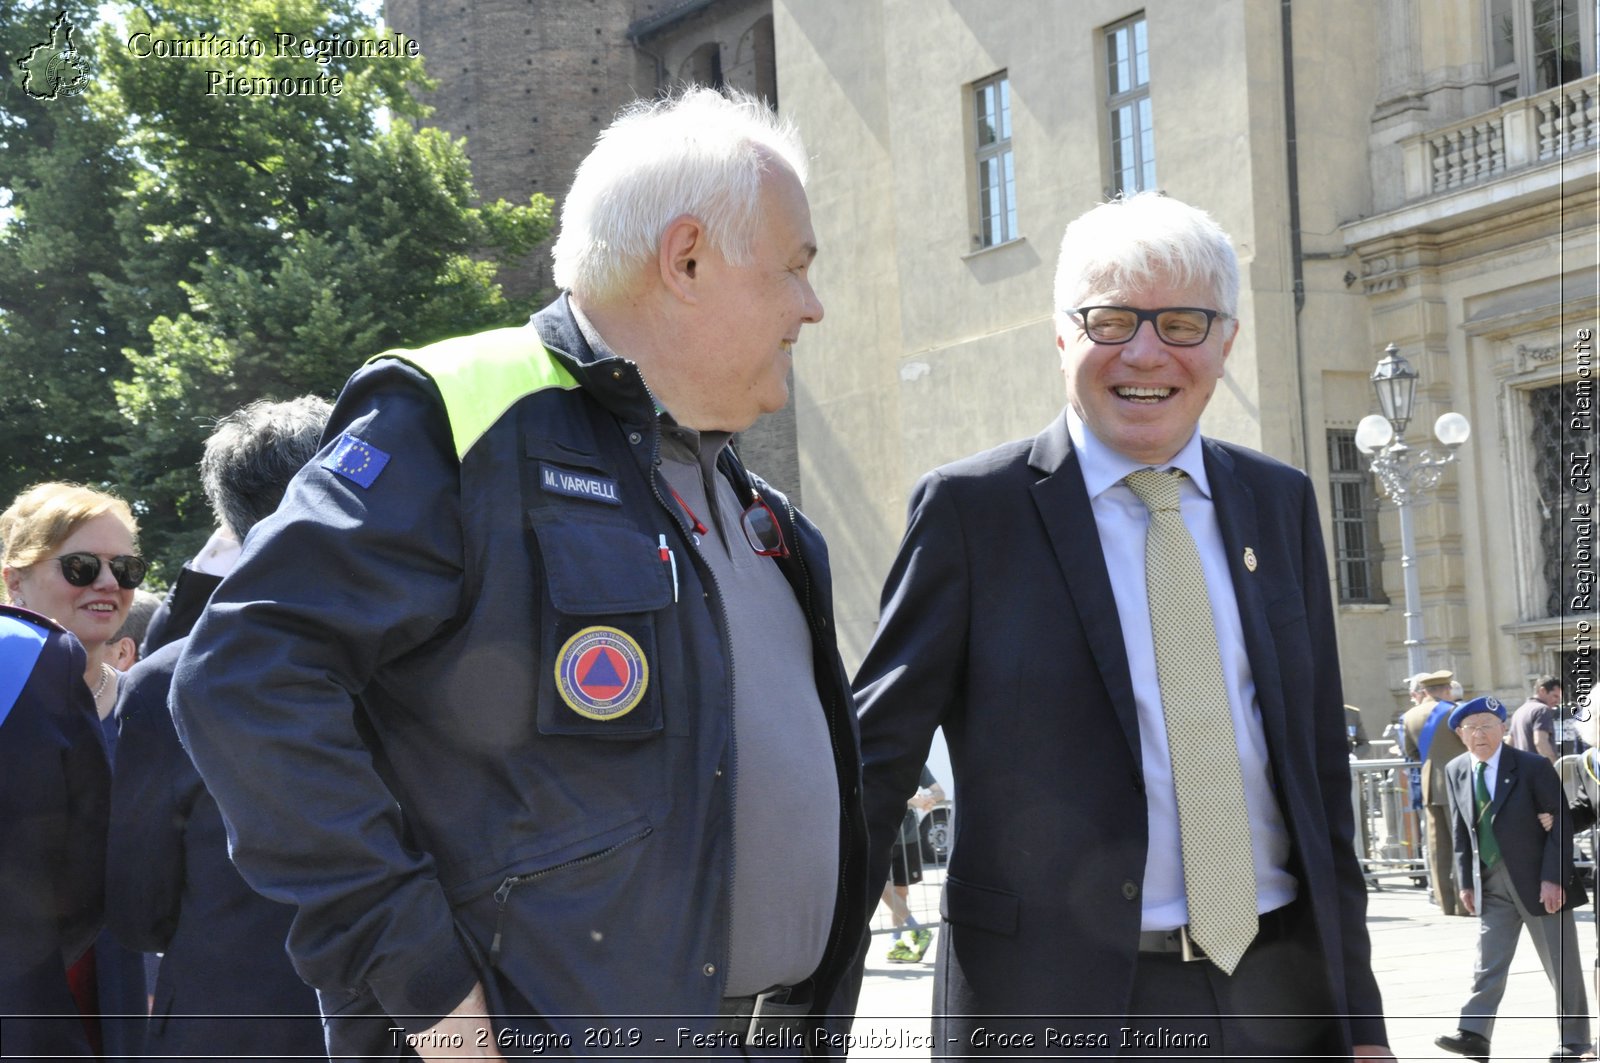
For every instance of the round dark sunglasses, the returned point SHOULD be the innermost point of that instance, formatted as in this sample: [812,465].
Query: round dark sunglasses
[82,569]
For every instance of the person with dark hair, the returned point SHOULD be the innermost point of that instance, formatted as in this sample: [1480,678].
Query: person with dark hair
[532,674]
[1533,725]
[125,645]
[243,471]
[225,984]
[54,789]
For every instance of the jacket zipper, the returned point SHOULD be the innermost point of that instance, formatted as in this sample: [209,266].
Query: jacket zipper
[503,895]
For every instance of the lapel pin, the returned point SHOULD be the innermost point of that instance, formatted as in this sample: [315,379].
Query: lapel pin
[1250,558]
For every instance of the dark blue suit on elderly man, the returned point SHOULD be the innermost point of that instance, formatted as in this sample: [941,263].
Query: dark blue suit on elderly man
[1509,888]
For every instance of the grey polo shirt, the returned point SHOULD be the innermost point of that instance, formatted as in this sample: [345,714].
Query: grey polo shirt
[784,786]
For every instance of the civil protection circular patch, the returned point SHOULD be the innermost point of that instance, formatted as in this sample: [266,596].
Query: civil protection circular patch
[601,673]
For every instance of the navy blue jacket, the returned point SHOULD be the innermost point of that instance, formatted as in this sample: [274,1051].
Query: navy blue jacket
[55,788]
[373,698]
[172,889]
[176,615]
[1018,654]
[1527,785]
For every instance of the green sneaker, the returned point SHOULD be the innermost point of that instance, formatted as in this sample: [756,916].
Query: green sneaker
[920,940]
[900,952]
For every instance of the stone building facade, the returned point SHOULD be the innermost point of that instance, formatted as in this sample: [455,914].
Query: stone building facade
[1421,172]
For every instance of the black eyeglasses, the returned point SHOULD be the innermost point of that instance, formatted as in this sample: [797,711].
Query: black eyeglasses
[1181,326]
[761,530]
[82,569]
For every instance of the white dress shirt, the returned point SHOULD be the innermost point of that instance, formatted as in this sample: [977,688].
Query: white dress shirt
[1122,521]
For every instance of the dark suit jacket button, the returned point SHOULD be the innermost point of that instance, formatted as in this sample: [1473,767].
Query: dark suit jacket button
[1130,889]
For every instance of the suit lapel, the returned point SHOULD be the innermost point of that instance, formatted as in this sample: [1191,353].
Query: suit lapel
[1235,506]
[1063,503]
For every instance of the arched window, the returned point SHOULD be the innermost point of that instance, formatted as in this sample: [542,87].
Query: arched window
[703,66]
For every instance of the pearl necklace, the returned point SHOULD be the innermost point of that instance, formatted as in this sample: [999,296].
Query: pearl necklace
[106,672]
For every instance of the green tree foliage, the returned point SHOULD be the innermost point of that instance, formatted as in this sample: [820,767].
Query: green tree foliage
[61,174]
[268,244]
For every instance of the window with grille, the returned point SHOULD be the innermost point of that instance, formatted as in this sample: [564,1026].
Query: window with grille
[997,178]
[1556,451]
[1133,145]
[1356,553]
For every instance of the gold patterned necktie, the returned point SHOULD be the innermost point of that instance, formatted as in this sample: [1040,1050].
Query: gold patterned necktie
[1214,827]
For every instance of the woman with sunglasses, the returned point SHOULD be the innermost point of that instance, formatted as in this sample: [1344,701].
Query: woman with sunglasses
[69,554]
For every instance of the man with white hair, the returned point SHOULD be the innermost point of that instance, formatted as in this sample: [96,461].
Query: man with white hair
[547,733]
[1116,624]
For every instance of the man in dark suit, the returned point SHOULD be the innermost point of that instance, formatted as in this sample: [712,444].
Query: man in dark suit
[1513,849]
[1153,851]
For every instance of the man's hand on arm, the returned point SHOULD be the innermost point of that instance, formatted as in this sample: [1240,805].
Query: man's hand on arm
[1552,897]
[464,1026]
[1469,901]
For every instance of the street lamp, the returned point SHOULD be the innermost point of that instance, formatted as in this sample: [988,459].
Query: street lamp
[1404,474]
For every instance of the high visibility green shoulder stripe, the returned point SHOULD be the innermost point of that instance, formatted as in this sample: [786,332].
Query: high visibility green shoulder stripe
[481,376]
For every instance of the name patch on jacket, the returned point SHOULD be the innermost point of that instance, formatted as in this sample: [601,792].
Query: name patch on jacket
[570,482]
[356,460]
[601,673]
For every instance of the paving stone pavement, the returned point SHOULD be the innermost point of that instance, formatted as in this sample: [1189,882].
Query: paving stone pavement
[1423,961]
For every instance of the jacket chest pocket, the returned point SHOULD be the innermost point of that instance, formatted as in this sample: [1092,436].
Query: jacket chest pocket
[600,671]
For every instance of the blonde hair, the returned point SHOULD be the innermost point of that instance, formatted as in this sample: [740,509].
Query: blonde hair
[42,517]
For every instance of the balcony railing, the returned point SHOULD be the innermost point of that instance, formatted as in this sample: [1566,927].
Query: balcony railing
[1563,121]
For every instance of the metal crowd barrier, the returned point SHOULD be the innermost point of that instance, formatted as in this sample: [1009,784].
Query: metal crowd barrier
[1389,835]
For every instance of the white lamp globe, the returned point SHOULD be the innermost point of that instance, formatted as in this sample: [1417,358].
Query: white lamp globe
[1452,429]
[1373,433]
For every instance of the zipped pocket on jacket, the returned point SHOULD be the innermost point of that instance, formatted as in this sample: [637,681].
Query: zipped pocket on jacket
[502,895]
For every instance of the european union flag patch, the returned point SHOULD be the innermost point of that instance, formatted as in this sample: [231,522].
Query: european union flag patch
[355,460]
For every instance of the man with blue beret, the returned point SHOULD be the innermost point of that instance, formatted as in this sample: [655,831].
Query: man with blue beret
[1513,848]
